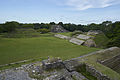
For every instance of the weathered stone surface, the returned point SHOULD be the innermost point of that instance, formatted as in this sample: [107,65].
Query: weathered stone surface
[96,73]
[82,36]
[58,29]
[15,75]
[62,36]
[48,66]
[76,41]
[62,74]
[71,64]
[78,76]
[90,43]
[94,32]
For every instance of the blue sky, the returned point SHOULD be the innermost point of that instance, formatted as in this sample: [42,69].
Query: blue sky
[67,11]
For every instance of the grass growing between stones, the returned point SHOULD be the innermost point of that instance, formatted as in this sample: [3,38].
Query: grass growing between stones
[83,71]
[18,49]
[92,60]
[66,33]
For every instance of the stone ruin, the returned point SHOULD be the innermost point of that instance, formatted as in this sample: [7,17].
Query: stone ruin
[84,37]
[57,29]
[113,63]
[81,39]
[76,41]
[55,69]
[52,63]
[94,32]
[90,43]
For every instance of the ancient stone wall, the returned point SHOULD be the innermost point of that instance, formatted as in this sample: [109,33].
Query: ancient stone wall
[96,73]
[57,29]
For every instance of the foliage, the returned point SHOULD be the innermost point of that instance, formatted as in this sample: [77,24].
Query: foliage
[1,28]
[26,26]
[76,32]
[8,26]
[52,23]
[114,42]
[42,31]
[101,40]
[11,26]
[41,26]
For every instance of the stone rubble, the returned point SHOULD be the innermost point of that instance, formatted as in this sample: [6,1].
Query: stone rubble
[76,41]
[84,37]
[94,32]
[79,40]
[90,43]
[57,29]
[15,75]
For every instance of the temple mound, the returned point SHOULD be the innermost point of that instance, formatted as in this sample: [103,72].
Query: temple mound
[58,29]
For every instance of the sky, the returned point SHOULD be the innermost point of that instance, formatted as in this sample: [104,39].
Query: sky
[66,11]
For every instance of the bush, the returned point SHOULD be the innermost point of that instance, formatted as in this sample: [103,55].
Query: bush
[76,32]
[1,29]
[114,42]
[43,30]
[11,26]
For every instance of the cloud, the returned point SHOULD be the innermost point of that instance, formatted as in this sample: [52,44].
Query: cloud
[86,4]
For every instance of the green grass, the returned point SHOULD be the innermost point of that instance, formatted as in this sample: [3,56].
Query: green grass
[17,49]
[66,33]
[101,40]
[24,33]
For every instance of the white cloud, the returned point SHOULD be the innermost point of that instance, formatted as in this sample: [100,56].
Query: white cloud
[86,4]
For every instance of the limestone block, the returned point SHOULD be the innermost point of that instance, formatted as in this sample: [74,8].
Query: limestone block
[76,41]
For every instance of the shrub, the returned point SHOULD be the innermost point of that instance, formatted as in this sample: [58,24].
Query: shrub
[11,26]
[76,32]
[43,30]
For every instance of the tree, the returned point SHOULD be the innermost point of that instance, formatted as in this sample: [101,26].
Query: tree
[42,31]
[60,23]
[52,23]
[11,26]
[1,29]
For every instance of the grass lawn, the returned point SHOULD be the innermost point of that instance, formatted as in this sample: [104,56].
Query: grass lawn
[66,33]
[18,49]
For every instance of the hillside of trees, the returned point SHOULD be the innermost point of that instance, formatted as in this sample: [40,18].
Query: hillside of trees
[110,29]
